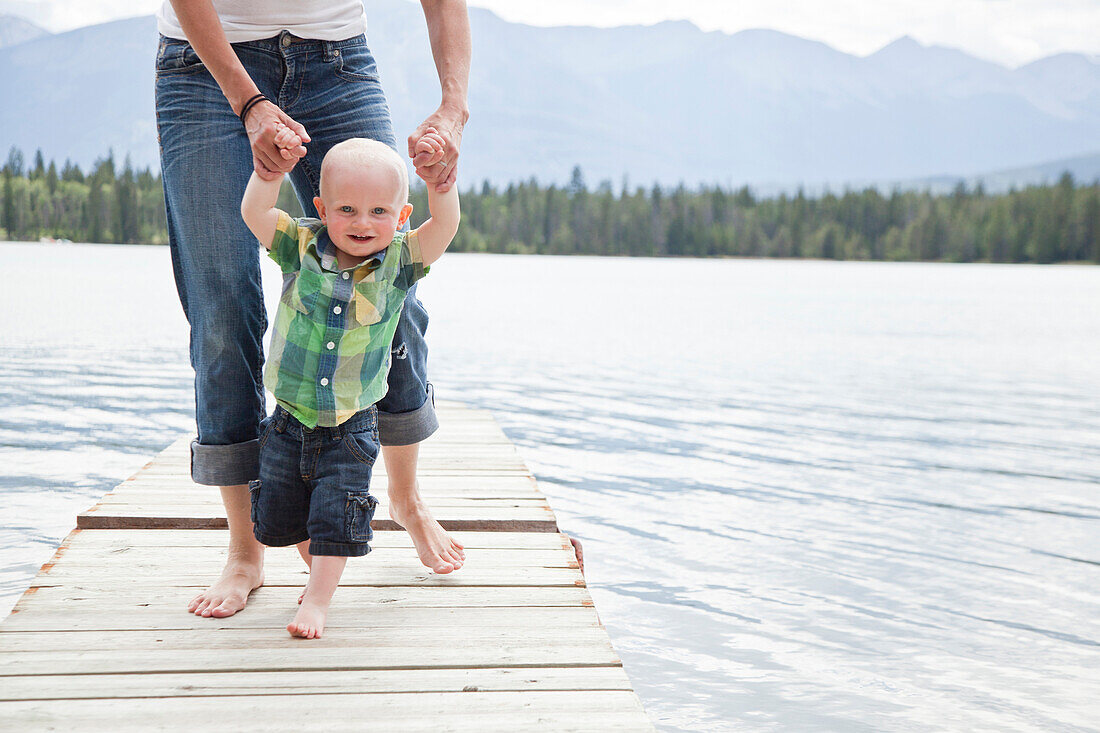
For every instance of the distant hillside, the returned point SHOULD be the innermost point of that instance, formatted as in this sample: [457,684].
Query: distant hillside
[14,29]
[1084,169]
[665,103]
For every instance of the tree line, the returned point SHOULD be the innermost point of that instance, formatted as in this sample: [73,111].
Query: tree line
[1050,223]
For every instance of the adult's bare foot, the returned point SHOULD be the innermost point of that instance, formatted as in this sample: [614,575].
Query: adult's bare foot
[230,593]
[434,545]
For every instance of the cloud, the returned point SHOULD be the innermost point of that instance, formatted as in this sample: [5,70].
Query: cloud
[1008,31]
[64,15]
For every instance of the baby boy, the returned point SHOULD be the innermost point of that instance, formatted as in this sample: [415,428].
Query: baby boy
[344,281]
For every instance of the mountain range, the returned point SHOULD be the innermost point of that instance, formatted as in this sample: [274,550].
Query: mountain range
[667,103]
[14,29]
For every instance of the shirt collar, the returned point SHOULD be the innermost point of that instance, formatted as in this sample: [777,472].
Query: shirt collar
[325,252]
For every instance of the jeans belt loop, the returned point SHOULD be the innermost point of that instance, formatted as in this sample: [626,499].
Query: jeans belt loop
[281,418]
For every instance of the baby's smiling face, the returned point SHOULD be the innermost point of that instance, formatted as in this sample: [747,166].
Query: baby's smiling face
[362,206]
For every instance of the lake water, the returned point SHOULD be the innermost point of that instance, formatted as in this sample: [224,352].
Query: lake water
[814,496]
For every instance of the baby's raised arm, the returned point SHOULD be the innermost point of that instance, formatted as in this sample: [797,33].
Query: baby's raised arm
[258,207]
[437,232]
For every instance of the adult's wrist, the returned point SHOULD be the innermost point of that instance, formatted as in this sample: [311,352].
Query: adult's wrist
[240,94]
[254,100]
[455,108]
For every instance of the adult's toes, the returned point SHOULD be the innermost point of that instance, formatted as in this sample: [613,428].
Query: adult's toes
[442,567]
[226,608]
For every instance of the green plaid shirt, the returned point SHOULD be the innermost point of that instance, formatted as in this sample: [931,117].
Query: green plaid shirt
[330,348]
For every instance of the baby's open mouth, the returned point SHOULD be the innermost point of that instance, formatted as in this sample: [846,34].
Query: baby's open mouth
[360,238]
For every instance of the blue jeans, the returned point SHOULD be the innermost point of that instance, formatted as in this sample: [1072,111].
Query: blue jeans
[332,88]
[315,484]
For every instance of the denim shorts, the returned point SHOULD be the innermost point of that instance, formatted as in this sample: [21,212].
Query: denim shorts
[315,484]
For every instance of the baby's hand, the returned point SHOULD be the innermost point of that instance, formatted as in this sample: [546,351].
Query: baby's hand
[286,140]
[430,143]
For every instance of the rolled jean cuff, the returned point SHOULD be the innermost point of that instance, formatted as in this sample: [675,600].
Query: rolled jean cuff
[407,428]
[225,465]
[338,549]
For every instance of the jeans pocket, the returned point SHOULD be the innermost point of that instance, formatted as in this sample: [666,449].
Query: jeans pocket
[358,513]
[363,446]
[254,498]
[355,63]
[177,57]
[265,430]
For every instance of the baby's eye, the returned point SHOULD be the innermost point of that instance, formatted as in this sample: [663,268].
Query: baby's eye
[378,211]
[346,209]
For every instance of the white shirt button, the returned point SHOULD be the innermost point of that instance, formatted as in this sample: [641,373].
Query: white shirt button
[337,310]
[324,381]
[345,276]
[330,345]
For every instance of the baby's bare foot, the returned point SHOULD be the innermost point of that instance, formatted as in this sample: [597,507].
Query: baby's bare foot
[309,622]
[230,593]
[435,547]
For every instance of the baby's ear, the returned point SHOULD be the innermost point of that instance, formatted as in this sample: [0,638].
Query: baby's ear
[406,212]
[320,206]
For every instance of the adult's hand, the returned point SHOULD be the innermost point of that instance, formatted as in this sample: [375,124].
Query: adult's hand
[439,167]
[262,124]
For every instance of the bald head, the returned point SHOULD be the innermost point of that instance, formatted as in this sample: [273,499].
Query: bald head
[361,154]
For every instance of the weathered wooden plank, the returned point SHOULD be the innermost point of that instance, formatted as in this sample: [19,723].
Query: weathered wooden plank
[218,684]
[136,599]
[378,576]
[100,520]
[133,600]
[124,540]
[173,501]
[282,558]
[266,615]
[441,486]
[531,710]
[276,641]
[392,650]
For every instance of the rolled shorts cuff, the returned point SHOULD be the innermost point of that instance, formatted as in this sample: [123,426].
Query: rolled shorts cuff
[407,428]
[338,549]
[225,465]
[272,540]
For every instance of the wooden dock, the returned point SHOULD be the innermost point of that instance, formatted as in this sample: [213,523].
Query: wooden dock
[511,642]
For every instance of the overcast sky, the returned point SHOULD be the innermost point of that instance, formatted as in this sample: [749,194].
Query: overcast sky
[1011,32]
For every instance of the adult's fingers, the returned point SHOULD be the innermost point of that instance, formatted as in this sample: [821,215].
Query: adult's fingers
[431,173]
[445,185]
[268,155]
[441,178]
[426,160]
[262,170]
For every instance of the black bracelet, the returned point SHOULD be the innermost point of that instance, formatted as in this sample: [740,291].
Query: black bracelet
[252,102]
